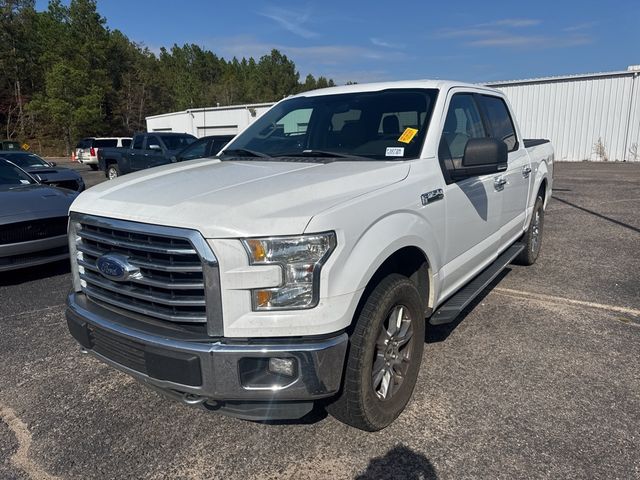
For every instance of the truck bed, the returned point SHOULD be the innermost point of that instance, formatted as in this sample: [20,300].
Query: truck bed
[534,142]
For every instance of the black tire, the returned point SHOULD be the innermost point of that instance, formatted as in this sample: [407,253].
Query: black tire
[532,238]
[93,166]
[112,171]
[360,403]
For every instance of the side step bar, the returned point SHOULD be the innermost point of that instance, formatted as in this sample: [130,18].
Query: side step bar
[449,310]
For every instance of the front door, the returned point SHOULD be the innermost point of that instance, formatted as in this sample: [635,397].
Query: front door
[153,154]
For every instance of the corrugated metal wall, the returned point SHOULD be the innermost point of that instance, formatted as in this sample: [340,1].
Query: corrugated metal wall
[587,118]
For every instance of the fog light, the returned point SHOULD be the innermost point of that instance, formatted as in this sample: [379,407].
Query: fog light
[283,366]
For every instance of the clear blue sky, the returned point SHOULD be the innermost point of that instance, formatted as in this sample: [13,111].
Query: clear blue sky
[392,40]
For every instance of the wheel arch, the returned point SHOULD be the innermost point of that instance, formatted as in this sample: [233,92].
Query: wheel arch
[411,262]
[376,255]
[542,184]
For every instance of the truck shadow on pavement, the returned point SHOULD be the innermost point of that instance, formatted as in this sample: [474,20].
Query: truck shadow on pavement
[16,277]
[599,215]
[399,462]
[439,333]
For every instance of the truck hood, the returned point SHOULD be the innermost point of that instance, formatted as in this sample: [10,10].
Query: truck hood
[53,174]
[233,199]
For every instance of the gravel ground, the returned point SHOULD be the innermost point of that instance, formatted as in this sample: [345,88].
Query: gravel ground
[538,379]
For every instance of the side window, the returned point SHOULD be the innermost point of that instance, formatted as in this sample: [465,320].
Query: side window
[463,122]
[126,142]
[501,124]
[339,120]
[137,142]
[295,122]
[392,124]
[153,142]
[195,150]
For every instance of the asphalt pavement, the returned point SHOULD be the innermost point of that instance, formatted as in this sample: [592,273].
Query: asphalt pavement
[540,377]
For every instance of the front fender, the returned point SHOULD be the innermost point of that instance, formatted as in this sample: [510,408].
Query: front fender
[356,263]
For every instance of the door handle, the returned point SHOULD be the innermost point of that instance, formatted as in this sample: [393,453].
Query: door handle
[526,170]
[499,182]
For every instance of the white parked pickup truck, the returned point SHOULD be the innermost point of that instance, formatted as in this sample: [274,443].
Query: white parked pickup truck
[304,263]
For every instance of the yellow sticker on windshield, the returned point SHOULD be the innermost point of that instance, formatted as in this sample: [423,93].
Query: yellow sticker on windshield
[408,135]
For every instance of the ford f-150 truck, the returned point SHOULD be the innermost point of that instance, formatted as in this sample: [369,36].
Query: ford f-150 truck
[146,150]
[304,263]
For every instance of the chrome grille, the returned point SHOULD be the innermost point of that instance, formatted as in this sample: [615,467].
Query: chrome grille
[178,277]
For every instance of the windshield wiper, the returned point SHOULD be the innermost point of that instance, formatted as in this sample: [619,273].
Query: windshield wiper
[322,153]
[243,152]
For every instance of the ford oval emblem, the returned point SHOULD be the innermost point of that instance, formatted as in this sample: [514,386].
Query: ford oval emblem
[116,267]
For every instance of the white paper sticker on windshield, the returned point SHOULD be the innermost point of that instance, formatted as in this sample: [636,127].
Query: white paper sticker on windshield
[395,152]
[24,181]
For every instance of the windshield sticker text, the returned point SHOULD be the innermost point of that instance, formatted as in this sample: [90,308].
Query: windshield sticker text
[395,152]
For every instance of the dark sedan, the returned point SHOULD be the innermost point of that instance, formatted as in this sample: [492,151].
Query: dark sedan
[46,172]
[204,147]
[33,220]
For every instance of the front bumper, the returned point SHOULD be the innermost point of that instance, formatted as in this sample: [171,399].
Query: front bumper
[210,372]
[33,252]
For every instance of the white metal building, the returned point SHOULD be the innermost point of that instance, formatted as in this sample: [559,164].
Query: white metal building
[208,121]
[593,116]
[587,117]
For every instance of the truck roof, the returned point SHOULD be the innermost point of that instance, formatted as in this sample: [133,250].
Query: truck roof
[372,87]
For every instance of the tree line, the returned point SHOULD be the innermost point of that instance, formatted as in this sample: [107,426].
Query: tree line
[64,75]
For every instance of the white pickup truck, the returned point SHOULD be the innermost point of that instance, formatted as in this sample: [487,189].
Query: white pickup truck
[304,263]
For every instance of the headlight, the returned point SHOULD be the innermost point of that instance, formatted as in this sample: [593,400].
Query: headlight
[301,259]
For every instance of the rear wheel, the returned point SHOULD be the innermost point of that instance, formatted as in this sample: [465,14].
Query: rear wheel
[93,166]
[384,356]
[532,238]
[113,171]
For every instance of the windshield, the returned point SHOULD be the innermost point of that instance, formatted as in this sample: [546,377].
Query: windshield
[105,143]
[12,175]
[174,142]
[10,145]
[382,125]
[25,160]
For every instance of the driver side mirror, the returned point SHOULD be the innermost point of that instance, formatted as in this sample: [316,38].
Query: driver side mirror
[482,156]
[52,164]
[155,147]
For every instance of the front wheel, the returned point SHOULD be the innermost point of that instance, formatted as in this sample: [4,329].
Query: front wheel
[532,238]
[113,171]
[384,356]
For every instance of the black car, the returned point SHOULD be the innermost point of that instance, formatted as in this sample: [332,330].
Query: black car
[204,147]
[46,172]
[33,220]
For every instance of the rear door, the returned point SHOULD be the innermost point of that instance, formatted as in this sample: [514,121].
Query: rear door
[474,204]
[516,189]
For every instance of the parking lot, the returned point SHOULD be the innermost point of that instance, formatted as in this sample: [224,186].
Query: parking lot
[539,378]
